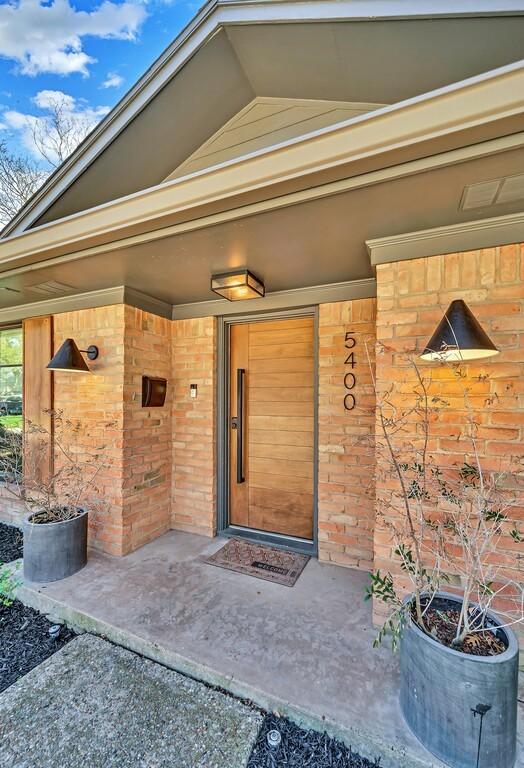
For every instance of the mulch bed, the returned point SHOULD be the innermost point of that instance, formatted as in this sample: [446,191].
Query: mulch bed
[11,543]
[25,641]
[302,749]
[442,622]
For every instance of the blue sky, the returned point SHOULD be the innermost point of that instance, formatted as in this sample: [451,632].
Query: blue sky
[91,51]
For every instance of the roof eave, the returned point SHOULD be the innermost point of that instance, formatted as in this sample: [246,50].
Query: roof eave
[476,101]
[207,21]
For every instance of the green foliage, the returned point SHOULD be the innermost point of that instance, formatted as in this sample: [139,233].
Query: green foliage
[12,421]
[493,515]
[469,474]
[8,585]
[393,628]
[381,587]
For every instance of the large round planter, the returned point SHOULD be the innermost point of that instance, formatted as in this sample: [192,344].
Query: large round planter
[53,551]
[443,692]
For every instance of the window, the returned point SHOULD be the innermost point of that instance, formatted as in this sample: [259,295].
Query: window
[11,378]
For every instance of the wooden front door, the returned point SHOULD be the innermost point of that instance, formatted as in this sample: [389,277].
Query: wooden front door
[271,426]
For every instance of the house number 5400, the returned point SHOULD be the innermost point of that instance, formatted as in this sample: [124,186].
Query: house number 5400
[349,376]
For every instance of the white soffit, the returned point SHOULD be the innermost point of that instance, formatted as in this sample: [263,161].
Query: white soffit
[485,194]
[266,121]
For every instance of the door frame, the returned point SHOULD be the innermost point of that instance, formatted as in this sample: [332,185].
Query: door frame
[306,546]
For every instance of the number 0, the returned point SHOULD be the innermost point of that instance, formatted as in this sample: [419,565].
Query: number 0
[349,401]
[351,379]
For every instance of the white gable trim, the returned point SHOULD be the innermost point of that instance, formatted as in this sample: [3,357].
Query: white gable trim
[208,20]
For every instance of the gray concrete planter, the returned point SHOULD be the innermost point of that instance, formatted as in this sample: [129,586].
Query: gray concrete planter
[443,691]
[53,551]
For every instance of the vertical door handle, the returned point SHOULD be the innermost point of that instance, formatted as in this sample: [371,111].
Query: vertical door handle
[240,424]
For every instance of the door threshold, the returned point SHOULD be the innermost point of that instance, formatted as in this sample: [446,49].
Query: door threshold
[292,543]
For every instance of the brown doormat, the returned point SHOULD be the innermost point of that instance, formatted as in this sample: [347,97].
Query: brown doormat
[259,560]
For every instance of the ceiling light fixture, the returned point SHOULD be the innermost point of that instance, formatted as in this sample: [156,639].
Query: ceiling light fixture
[69,358]
[459,337]
[238,285]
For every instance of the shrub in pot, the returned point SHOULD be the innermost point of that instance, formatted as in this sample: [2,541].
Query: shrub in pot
[458,548]
[54,475]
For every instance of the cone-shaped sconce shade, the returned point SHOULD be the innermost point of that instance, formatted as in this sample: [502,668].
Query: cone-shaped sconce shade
[459,336]
[68,358]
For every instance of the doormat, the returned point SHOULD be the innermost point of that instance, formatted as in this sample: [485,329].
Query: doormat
[259,560]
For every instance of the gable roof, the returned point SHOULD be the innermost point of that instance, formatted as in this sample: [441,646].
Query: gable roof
[215,66]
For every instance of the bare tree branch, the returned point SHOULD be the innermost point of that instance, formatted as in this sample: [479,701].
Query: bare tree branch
[55,136]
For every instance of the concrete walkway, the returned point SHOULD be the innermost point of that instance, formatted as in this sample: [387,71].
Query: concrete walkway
[305,651]
[93,704]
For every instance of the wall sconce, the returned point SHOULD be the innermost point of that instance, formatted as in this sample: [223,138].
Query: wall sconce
[69,358]
[237,285]
[459,337]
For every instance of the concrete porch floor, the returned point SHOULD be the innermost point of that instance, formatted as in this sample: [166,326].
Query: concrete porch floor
[305,651]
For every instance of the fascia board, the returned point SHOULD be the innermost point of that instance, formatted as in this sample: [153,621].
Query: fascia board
[454,238]
[479,100]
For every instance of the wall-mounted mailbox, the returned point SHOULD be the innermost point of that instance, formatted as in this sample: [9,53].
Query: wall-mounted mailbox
[153,392]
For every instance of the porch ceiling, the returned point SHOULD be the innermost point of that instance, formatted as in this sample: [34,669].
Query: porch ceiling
[309,243]
[235,52]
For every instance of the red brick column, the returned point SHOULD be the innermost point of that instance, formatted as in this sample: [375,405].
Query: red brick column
[412,296]
[96,400]
[147,431]
[194,465]
[346,434]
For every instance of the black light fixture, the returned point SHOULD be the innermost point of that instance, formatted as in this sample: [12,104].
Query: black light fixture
[69,358]
[459,337]
[237,285]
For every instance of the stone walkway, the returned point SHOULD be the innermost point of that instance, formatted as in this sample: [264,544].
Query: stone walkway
[94,704]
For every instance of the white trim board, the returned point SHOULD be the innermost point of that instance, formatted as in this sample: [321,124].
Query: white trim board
[121,294]
[412,167]
[103,298]
[208,20]
[454,238]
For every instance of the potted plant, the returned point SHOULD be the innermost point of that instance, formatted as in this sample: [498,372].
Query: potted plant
[459,555]
[54,475]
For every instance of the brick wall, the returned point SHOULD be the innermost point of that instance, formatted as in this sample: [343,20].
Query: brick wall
[147,458]
[194,465]
[136,484]
[161,469]
[96,400]
[346,445]
[412,296]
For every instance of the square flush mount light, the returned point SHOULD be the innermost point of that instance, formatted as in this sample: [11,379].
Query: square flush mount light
[238,285]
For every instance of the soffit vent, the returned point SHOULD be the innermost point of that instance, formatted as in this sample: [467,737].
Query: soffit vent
[509,189]
[50,288]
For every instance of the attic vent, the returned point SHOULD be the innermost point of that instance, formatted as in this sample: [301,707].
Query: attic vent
[509,189]
[50,288]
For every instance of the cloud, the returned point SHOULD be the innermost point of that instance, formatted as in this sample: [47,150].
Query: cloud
[49,99]
[113,80]
[64,121]
[46,36]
